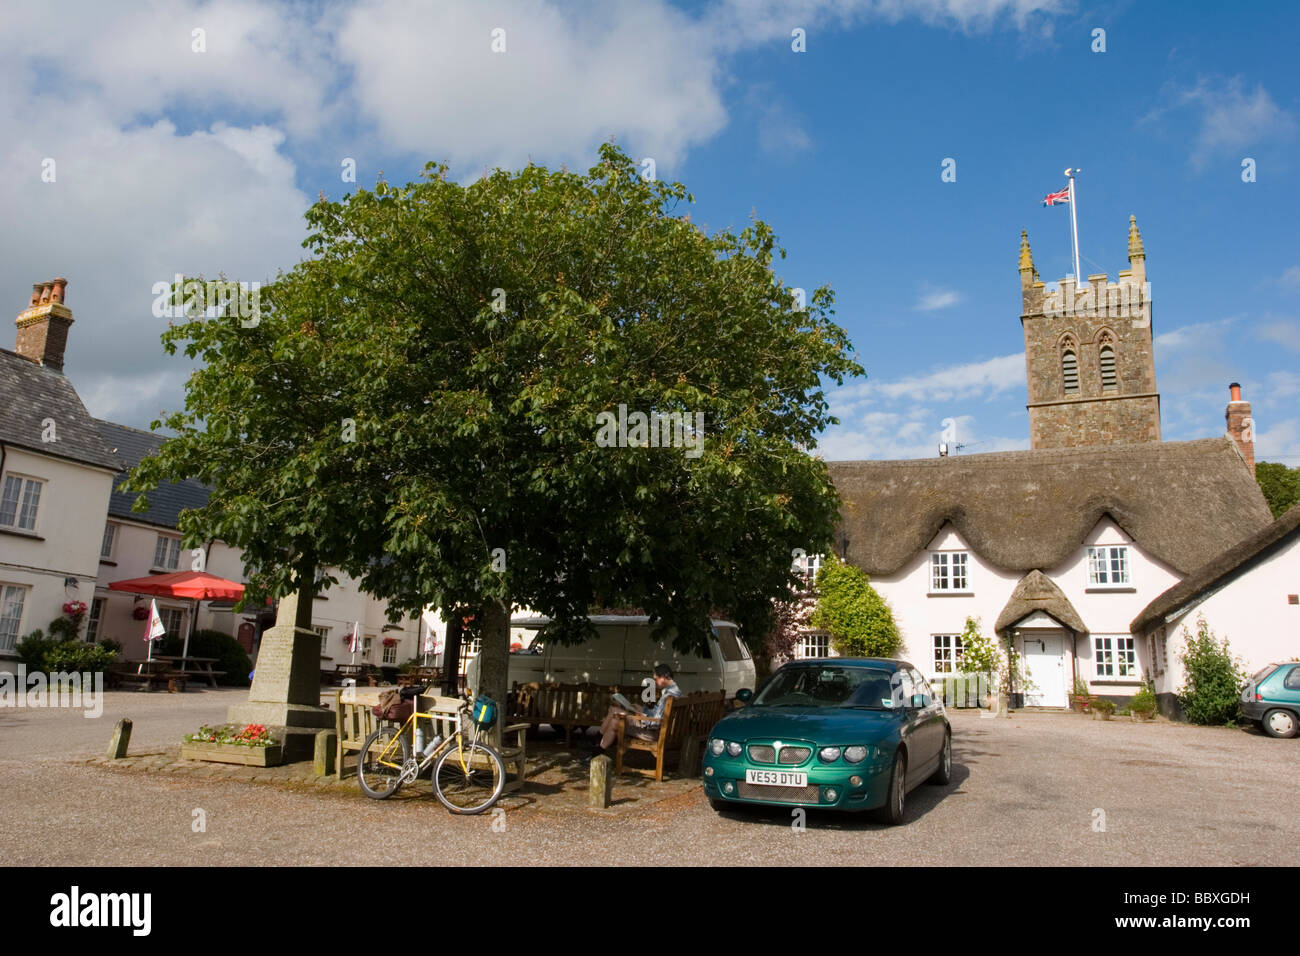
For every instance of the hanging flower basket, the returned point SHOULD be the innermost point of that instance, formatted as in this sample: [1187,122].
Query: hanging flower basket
[390,641]
[140,613]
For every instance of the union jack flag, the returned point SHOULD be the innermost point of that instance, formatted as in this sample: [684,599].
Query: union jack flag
[1051,199]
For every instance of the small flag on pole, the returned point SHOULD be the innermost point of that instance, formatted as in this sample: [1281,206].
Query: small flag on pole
[354,643]
[1051,199]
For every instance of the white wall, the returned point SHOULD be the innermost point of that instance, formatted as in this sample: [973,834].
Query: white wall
[65,542]
[1251,611]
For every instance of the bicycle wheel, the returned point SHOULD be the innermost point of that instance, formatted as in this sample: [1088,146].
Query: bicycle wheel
[379,766]
[468,778]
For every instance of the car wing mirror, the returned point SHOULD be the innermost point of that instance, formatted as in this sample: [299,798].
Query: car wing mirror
[744,695]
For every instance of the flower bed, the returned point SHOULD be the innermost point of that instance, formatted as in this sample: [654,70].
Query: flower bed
[251,745]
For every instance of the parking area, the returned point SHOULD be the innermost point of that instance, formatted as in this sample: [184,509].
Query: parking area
[1038,789]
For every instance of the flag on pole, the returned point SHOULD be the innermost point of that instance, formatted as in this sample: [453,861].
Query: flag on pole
[156,628]
[354,643]
[1051,199]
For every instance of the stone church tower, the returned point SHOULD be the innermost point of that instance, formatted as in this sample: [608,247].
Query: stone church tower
[1088,357]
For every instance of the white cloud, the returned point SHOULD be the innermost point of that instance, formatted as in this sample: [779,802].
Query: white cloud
[970,382]
[1286,334]
[1231,119]
[1291,277]
[937,299]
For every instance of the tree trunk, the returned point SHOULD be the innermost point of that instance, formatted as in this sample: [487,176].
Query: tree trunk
[451,653]
[494,658]
[306,594]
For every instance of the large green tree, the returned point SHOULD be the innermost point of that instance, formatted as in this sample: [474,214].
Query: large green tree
[1280,484]
[421,405]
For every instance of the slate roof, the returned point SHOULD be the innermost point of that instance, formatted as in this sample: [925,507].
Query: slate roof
[31,393]
[168,500]
[1180,501]
[1215,573]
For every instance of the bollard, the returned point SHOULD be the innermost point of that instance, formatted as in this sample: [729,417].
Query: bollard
[121,739]
[323,760]
[601,784]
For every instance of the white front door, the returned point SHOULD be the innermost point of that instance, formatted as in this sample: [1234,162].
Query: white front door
[1045,667]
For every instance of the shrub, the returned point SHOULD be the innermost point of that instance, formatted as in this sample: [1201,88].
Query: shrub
[109,644]
[858,620]
[230,656]
[1104,705]
[68,656]
[1144,701]
[33,648]
[1210,694]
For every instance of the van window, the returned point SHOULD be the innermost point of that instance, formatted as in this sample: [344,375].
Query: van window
[732,648]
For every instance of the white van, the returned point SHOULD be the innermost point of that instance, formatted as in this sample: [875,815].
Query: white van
[623,652]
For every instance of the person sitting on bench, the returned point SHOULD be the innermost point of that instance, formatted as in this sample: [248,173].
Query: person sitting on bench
[642,724]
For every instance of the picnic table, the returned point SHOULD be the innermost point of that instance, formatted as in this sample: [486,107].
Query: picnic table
[201,669]
[149,672]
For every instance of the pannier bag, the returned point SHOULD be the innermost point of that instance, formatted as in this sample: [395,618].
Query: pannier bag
[392,707]
[485,712]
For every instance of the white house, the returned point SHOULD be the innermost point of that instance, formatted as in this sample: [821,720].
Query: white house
[55,476]
[1249,594]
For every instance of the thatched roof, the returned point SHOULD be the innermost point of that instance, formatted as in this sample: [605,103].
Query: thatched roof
[1180,501]
[1214,574]
[1037,592]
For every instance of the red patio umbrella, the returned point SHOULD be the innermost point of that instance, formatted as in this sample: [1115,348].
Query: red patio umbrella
[196,585]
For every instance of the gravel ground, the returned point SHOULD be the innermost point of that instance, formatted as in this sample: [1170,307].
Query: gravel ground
[1030,790]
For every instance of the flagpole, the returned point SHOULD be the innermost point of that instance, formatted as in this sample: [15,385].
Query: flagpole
[1074,228]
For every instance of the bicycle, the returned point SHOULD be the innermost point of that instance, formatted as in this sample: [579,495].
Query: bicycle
[468,773]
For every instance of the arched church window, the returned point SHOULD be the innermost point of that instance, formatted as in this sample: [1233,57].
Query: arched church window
[1109,380]
[1070,370]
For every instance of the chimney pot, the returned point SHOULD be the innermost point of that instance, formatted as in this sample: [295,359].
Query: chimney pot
[1235,390]
[46,289]
[60,290]
[36,295]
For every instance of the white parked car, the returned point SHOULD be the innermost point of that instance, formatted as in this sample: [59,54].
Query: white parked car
[623,652]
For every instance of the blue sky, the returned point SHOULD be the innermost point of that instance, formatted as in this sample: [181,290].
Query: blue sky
[172,160]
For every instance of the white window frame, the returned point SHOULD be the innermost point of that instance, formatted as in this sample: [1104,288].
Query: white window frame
[1103,571]
[950,571]
[366,644]
[812,645]
[389,654]
[94,618]
[812,563]
[109,541]
[946,653]
[11,625]
[171,615]
[324,634]
[25,485]
[1115,656]
[171,550]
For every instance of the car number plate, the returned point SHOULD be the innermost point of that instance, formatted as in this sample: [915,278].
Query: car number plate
[776,778]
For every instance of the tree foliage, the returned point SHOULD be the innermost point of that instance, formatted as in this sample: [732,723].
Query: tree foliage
[1280,484]
[1212,685]
[418,404]
[857,618]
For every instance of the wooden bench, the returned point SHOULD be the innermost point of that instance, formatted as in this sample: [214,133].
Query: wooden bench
[564,705]
[686,723]
[149,673]
[354,721]
[357,672]
[421,675]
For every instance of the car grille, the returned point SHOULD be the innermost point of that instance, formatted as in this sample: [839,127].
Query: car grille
[794,755]
[808,794]
[762,753]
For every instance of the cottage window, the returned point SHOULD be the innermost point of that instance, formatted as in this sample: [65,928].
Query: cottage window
[19,501]
[1109,381]
[324,634]
[1070,370]
[12,597]
[948,571]
[173,620]
[947,653]
[390,653]
[96,615]
[1116,655]
[365,647]
[167,553]
[812,563]
[1108,565]
[110,535]
[814,645]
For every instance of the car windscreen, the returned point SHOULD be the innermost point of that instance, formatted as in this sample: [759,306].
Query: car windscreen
[730,643]
[826,685]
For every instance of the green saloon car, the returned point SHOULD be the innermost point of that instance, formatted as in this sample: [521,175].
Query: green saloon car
[1272,699]
[838,733]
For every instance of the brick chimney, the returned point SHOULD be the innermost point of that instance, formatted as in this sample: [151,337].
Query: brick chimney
[43,325]
[1241,427]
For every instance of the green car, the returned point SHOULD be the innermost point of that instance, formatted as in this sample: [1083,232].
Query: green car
[1272,699]
[837,733]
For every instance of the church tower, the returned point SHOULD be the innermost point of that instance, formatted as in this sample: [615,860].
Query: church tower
[1088,356]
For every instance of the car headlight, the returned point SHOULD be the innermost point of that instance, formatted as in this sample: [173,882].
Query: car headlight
[734,749]
[829,754]
[716,746]
[856,754]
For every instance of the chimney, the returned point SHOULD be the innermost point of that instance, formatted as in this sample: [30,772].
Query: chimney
[43,325]
[1241,427]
